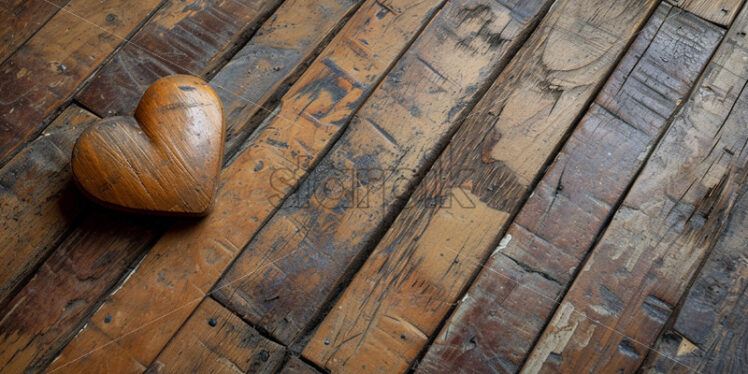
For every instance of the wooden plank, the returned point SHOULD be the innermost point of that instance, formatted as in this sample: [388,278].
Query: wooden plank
[20,19]
[40,218]
[374,165]
[672,216]
[709,332]
[44,315]
[181,38]
[45,72]
[721,12]
[296,366]
[422,264]
[34,214]
[215,340]
[185,263]
[274,56]
[509,303]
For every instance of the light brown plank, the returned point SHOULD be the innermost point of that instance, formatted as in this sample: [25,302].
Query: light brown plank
[423,263]
[215,340]
[181,38]
[20,19]
[361,183]
[185,263]
[43,227]
[709,331]
[45,72]
[672,216]
[35,215]
[507,306]
[721,12]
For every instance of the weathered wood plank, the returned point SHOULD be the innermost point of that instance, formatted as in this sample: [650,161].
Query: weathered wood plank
[34,214]
[45,72]
[361,183]
[44,214]
[721,12]
[181,38]
[215,340]
[422,264]
[20,19]
[672,216]
[296,366]
[507,306]
[275,55]
[185,263]
[44,315]
[709,333]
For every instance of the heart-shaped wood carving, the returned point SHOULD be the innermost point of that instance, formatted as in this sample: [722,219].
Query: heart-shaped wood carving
[166,160]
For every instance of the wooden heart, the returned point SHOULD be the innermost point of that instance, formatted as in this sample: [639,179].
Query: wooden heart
[166,160]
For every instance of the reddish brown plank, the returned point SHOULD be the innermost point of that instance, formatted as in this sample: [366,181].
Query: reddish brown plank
[423,263]
[20,19]
[181,38]
[709,331]
[34,214]
[507,306]
[45,72]
[721,12]
[38,220]
[215,340]
[296,366]
[42,317]
[670,219]
[185,263]
[363,180]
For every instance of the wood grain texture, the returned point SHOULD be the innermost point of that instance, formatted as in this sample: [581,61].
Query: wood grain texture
[44,315]
[670,219]
[45,72]
[186,262]
[721,12]
[507,306]
[215,340]
[164,160]
[422,264]
[275,55]
[40,219]
[20,19]
[296,366]
[361,183]
[38,202]
[181,38]
[709,331]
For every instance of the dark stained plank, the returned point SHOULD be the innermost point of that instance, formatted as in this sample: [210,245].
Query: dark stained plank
[348,199]
[45,72]
[44,315]
[20,19]
[721,12]
[635,275]
[186,262]
[709,332]
[423,263]
[296,366]
[507,306]
[38,218]
[215,340]
[275,55]
[181,38]
[38,202]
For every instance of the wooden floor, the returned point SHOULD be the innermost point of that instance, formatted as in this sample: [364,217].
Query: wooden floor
[433,186]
